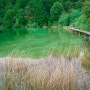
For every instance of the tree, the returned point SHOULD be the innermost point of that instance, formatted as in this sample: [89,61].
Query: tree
[20,18]
[21,3]
[56,10]
[79,4]
[9,19]
[68,6]
[2,10]
[37,13]
[74,0]
[47,5]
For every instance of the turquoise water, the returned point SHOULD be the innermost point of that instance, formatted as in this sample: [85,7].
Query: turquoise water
[39,43]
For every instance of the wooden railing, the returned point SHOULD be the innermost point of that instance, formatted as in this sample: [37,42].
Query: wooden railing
[86,33]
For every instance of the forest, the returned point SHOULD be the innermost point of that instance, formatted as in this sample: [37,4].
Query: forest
[15,14]
[44,44]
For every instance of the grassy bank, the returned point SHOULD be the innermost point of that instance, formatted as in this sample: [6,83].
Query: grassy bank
[41,42]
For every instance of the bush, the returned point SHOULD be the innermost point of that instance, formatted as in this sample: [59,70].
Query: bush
[67,19]
[67,6]
[82,22]
[86,14]
[64,19]
[8,32]
[86,9]
[20,31]
[9,19]
[74,14]
[78,4]
[31,24]
[56,11]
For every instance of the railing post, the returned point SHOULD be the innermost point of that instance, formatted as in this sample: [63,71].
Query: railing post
[79,34]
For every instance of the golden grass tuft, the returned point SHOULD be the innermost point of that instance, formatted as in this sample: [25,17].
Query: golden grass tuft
[86,61]
[47,74]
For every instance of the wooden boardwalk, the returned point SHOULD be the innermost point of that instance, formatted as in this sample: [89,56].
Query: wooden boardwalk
[86,33]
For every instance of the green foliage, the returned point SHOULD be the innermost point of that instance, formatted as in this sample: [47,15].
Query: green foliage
[68,19]
[2,10]
[68,6]
[73,4]
[21,3]
[20,18]
[20,31]
[43,12]
[74,0]
[64,19]
[87,23]
[86,9]
[83,21]
[17,13]
[79,4]
[37,12]
[74,15]
[9,19]
[56,11]
[31,24]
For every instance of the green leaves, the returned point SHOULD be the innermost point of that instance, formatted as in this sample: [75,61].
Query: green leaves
[86,9]
[9,19]
[56,11]
[19,17]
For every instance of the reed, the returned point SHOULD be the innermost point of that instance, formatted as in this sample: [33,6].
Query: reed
[86,60]
[49,73]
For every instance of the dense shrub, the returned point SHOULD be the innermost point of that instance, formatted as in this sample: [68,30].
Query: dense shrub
[68,6]
[20,31]
[67,19]
[56,10]
[86,8]
[78,4]
[20,18]
[82,23]
[86,14]
[73,15]
[9,19]
[31,24]
[64,19]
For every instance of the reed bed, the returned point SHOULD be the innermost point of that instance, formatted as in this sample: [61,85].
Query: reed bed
[50,73]
[86,61]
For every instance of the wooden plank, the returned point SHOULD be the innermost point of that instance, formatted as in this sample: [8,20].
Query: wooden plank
[80,31]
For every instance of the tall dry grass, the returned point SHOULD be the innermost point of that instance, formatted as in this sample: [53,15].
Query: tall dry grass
[86,58]
[51,73]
